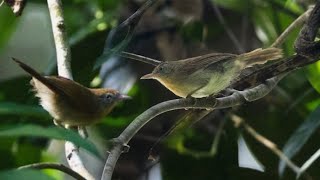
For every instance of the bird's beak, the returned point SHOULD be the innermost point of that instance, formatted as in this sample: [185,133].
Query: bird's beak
[148,76]
[124,97]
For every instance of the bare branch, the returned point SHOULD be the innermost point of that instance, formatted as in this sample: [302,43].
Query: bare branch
[140,58]
[55,166]
[75,162]
[61,44]
[64,70]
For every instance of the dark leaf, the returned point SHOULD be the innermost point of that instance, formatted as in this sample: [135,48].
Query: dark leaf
[24,174]
[49,132]
[10,108]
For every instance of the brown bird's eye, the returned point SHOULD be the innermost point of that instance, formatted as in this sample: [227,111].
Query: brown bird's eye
[107,98]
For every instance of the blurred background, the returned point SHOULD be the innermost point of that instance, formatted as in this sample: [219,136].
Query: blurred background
[203,145]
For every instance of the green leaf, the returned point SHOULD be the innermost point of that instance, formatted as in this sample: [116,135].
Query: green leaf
[300,137]
[233,4]
[313,73]
[49,132]
[7,25]
[10,108]
[24,174]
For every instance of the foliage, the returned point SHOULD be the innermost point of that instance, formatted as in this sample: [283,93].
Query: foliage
[288,116]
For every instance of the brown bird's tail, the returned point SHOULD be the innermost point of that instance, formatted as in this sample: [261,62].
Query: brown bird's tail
[260,56]
[38,76]
[28,69]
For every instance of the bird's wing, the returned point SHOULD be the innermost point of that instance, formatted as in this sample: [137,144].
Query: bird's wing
[204,62]
[74,92]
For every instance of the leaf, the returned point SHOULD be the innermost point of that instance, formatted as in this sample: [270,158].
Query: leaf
[313,73]
[233,4]
[7,25]
[49,132]
[24,174]
[10,108]
[300,137]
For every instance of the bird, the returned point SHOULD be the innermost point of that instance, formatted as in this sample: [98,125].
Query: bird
[70,103]
[207,75]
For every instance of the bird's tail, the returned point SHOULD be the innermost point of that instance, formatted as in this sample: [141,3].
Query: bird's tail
[38,76]
[260,56]
[28,69]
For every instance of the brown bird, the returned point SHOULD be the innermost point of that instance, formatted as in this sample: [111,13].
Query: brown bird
[70,103]
[207,75]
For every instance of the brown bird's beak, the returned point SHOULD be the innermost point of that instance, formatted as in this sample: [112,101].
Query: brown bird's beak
[148,76]
[124,97]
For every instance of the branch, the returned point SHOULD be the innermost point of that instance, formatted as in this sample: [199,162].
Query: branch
[209,103]
[307,50]
[75,162]
[59,35]
[59,167]
[64,70]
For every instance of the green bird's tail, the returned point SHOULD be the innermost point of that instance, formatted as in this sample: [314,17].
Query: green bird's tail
[260,56]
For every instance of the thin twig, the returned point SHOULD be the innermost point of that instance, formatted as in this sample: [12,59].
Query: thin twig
[298,22]
[55,166]
[64,69]
[140,58]
[266,142]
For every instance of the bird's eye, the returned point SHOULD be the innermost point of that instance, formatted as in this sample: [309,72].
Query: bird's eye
[161,69]
[109,96]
